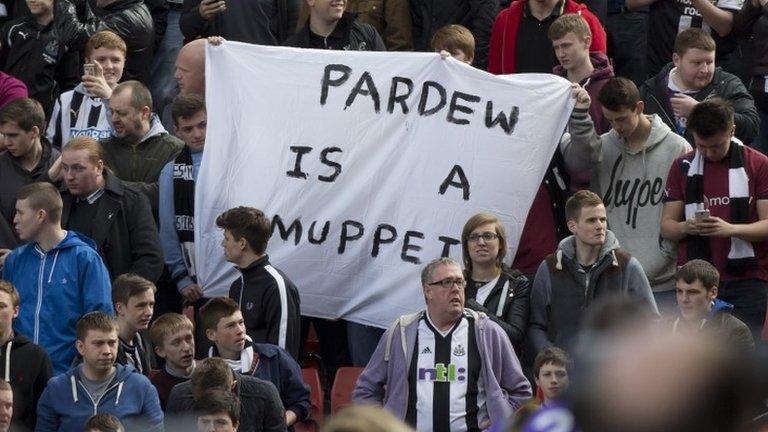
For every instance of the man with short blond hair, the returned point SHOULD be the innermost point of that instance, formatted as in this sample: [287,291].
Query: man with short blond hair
[114,214]
[172,336]
[571,39]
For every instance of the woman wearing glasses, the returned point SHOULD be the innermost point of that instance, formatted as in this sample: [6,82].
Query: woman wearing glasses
[493,288]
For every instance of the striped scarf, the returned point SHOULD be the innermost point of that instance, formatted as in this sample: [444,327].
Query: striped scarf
[741,256]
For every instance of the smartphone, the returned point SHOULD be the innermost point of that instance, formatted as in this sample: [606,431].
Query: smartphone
[89,69]
[701,215]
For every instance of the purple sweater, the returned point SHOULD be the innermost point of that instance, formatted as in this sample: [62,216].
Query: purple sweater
[11,89]
[505,386]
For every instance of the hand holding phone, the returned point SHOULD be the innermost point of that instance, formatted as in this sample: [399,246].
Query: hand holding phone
[210,8]
[700,215]
[90,69]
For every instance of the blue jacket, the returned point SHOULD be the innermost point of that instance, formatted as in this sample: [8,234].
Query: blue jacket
[66,405]
[57,288]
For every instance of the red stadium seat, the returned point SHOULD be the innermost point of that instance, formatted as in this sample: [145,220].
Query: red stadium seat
[343,385]
[306,426]
[316,396]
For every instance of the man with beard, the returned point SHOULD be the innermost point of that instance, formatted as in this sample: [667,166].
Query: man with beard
[140,146]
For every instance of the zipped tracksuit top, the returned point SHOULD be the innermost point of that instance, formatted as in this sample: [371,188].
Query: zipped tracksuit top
[56,288]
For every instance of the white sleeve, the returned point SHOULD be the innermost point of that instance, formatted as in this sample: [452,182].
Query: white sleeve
[730,5]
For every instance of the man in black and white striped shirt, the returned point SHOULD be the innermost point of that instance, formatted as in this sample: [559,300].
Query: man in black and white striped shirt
[446,368]
[83,110]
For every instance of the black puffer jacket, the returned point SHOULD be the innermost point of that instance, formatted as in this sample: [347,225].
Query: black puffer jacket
[476,15]
[264,22]
[130,19]
[724,85]
[349,34]
[508,304]
[261,408]
[35,54]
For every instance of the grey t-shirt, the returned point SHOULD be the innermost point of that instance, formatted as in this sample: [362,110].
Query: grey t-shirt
[97,388]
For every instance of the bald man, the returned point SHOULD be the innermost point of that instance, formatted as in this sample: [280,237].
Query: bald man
[190,73]
[190,68]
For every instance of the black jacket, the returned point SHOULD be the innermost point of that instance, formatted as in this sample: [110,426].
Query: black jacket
[261,409]
[30,370]
[130,19]
[12,177]
[348,35]
[264,22]
[513,317]
[258,292]
[37,56]
[725,85]
[146,353]
[123,230]
[476,15]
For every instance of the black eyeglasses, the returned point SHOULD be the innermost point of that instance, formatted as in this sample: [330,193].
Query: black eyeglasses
[448,283]
[487,236]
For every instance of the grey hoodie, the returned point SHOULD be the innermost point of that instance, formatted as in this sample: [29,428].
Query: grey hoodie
[563,290]
[632,184]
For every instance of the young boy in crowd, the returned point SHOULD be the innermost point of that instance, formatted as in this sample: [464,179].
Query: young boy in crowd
[173,338]
[83,110]
[104,423]
[550,370]
[134,300]
[456,41]
[217,410]
[224,326]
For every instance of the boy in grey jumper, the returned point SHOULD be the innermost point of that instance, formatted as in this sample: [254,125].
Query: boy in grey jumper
[629,166]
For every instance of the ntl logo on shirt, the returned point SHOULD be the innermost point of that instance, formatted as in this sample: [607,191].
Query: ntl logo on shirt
[443,373]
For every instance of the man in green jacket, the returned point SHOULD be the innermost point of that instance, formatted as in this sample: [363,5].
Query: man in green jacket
[139,146]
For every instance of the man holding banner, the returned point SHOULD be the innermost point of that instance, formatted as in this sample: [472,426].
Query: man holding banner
[444,368]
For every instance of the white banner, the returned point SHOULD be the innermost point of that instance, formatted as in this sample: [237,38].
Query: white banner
[368,163]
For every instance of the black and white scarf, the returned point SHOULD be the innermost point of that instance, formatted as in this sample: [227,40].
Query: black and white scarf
[184,207]
[741,256]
